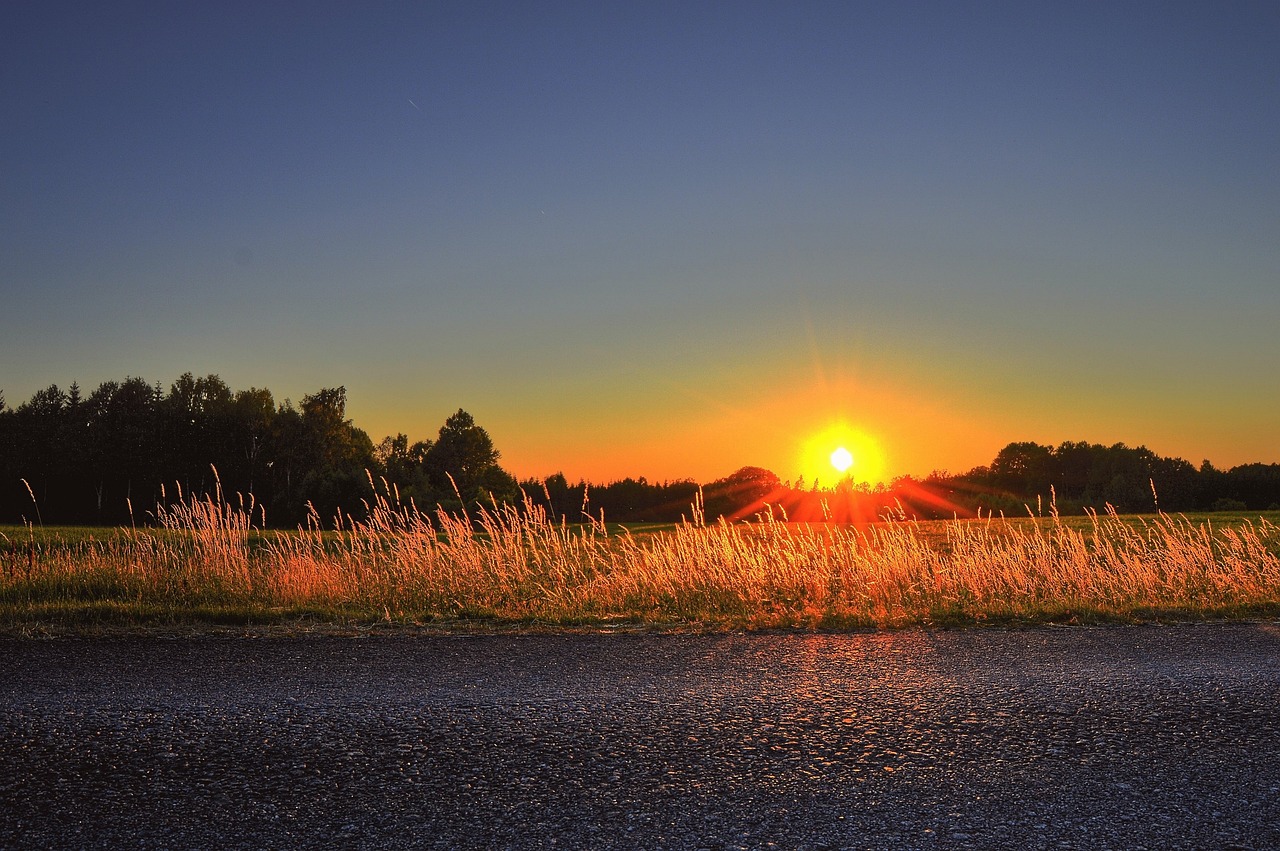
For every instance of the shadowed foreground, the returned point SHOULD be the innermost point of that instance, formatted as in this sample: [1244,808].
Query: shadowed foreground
[1117,737]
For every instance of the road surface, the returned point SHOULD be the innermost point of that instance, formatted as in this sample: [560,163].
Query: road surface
[1137,737]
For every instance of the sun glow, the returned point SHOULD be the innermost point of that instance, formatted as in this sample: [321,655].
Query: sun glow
[841,453]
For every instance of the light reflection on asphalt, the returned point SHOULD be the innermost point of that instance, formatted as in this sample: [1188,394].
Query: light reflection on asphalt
[1121,737]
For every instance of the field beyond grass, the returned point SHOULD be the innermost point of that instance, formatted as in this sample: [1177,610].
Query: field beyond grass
[203,565]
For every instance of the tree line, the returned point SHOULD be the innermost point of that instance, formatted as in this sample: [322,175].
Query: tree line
[112,456]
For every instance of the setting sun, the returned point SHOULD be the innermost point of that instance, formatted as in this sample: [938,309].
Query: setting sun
[846,452]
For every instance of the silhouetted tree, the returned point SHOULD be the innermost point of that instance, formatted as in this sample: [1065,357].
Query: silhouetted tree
[1256,485]
[197,425]
[743,492]
[336,455]
[252,413]
[463,457]
[562,500]
[1213,484]
[404,465]
[36,425]
[1025,468]
[124,457]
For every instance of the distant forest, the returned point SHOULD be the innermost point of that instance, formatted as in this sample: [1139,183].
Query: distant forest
[113,456]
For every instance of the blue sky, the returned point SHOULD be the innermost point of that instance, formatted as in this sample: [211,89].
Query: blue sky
[661,239]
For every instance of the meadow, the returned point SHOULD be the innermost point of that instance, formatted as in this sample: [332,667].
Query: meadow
[202,563]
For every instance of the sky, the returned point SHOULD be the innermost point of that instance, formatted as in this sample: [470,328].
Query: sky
[663,239]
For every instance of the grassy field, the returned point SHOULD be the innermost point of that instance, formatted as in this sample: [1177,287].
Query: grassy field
[204,565]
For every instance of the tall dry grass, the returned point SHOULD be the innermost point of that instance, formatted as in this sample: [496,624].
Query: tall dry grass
[204,559]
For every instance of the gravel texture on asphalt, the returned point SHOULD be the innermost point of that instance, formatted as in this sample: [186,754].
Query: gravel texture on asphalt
[1141,737]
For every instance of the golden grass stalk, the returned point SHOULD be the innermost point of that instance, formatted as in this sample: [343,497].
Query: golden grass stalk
[516,563]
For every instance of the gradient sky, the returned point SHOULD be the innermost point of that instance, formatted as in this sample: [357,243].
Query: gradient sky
[661,240]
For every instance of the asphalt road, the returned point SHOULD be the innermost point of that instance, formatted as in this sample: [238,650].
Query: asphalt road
[1151,737]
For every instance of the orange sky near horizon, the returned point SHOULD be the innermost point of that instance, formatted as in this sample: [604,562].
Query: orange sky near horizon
[789,422]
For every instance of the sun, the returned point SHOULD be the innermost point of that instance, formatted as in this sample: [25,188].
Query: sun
[841,452]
